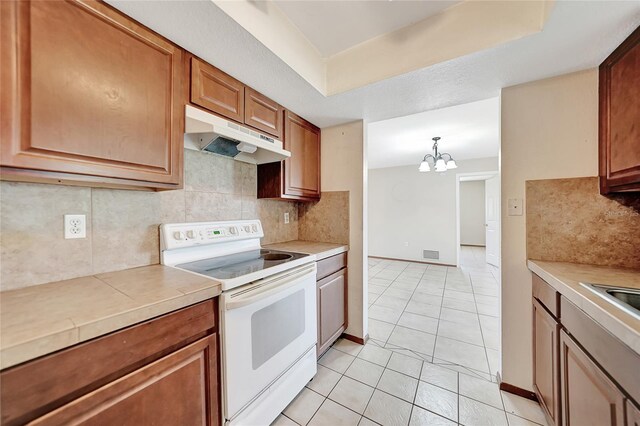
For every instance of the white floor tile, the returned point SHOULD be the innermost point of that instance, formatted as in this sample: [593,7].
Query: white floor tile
[437,400]
[474,413]
[347,346]
[519,421]
[464,332]
[412,339]
[282,420]
[405,364]
[462,353]
[523,407]
[388,410]
[398,384]
[380,330]
[480,390]
[304,406]
[331,413]
[423,309]
[336,360]
[365,372]
[419,322]
[351,394]
[385,314]
[439,376]
[375,354]
[421,417]
[324,380]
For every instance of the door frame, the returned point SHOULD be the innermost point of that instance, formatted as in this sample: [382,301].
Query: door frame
[473,176]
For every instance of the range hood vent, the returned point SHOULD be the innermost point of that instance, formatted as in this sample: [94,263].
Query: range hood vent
[208,132]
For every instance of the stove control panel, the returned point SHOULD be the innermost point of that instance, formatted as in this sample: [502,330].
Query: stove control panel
[180,235]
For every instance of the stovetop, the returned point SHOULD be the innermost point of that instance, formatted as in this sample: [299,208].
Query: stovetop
[240,264]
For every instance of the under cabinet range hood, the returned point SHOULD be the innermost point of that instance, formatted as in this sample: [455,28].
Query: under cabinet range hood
[208,132]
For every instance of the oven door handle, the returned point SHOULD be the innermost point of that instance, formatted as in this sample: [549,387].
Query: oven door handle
[268,288]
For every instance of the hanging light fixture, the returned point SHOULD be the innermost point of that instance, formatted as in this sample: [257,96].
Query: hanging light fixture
[438,159]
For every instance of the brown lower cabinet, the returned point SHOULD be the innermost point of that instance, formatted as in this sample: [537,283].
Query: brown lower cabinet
[164,371]
[545,361]
[582,374]
[331,300]
[588,396]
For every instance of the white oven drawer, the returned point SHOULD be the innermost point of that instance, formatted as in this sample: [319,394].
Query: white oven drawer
[266,327]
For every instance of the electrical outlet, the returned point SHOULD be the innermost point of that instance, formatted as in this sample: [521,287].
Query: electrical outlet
[286,217]
[75,226]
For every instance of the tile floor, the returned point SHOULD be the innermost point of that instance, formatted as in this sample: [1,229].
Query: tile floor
[431,358]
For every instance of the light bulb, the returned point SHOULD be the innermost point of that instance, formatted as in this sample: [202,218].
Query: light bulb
[451,164]
[440,165]
[424,167]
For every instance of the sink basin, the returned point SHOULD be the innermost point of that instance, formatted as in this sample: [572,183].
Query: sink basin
[276,256]
[627,299]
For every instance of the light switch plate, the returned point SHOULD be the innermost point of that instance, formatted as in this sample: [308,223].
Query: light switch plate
[75,226]
[514,207]
[286,217]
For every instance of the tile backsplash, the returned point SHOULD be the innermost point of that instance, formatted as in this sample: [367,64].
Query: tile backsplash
[569,221]
[122,225]
[326,220]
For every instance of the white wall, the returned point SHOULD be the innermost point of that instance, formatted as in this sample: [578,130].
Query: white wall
[411,211]
[472,213]
[549,130]
[343,169]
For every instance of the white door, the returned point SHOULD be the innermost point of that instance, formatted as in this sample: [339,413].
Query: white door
[492,218]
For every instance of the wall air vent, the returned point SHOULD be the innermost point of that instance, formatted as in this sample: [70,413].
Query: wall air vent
[430,254]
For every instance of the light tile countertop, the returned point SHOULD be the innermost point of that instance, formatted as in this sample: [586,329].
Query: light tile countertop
[566,278]
[321,250]
[45,318]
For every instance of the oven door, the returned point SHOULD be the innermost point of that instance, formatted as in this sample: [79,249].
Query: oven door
[267,326]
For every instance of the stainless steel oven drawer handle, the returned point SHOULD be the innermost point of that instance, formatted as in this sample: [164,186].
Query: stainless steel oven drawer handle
[268,289]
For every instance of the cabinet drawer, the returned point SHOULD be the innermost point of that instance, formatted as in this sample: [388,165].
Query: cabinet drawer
[30,390]
[546,295]
[216,91]
[330,265]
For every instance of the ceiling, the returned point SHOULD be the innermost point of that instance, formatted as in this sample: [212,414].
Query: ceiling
[334,26]
[468,131]
[577,35]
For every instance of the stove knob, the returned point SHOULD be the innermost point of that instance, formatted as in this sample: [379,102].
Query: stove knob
[247,228]
[232,231]
[254,228]
[178,235]
[191,234]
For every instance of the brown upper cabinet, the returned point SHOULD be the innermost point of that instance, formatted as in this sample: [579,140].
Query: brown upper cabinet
[619,135]
[89,97]
[297,177]
[262,113]
[216,91]
[222,94]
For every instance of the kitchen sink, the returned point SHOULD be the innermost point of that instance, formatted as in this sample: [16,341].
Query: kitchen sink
[627,299]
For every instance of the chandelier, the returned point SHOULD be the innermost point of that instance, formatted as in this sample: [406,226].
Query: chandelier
[438,159]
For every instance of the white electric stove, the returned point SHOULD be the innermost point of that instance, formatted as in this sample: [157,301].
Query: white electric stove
[267,313]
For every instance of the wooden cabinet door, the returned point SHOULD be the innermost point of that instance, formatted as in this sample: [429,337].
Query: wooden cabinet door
[633,414]
[89,92]
[332,318]
[216,91]
[262,113]
[179,389]
[588,396]
[545,361]
[619,113]
[302,170]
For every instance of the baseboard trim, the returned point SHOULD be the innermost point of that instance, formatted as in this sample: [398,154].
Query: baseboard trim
[411,260]
[355,339]
[518,391]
